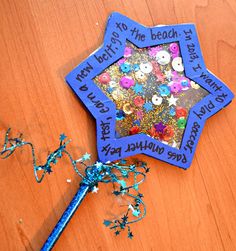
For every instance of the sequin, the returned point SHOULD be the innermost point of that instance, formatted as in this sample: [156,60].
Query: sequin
[148,106]
[126,82]
[175,87]
[159,127]
[136,67]
[125,67]
[134,130]
[128,52]
[174,48]
[153,50]
[181,123]
[140,114]
[194,85]
[140,76]
[177,64]
[104,78]
[146,67]
[163,57]
[181,112]
[137,122]
[139,101]
[138,88]
[168,133]
[121,61]
[127,108]
[156,100]
[120,114]
[109,89]
[157,72]
[164,90]
[153,132]
[172,111]
[185,83]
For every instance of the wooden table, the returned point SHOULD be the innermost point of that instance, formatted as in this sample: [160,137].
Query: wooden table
[41,41]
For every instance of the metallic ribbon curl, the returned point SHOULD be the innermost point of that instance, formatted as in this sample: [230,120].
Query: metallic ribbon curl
[110,172]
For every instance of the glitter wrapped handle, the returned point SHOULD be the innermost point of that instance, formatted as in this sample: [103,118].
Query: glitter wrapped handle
[65,218]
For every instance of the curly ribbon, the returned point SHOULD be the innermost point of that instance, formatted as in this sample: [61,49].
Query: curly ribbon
[110,172]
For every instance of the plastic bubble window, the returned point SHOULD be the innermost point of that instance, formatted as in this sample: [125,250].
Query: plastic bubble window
[151,92]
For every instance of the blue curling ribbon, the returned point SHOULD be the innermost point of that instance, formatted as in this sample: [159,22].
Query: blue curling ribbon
[115,172]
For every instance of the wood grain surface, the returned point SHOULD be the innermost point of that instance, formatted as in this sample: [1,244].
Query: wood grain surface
[40,42]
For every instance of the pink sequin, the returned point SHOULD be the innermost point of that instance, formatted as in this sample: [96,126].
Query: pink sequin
[174,48]
[175,87]
[104,78]
[153,50]
[126,82]
[121,61]
[128,52]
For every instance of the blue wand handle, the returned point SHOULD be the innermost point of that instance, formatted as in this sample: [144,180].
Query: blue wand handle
[65,218]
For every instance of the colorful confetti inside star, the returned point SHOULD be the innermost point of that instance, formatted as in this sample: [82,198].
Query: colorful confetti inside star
[138,88]
[109,89]
[159,127]
[172,100]
[148,106]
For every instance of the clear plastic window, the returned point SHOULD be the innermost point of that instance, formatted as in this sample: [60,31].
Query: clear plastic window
[151,92]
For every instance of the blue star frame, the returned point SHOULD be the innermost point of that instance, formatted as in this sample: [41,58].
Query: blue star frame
[119,29]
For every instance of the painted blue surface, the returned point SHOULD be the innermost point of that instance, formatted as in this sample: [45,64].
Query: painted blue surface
[104,110]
